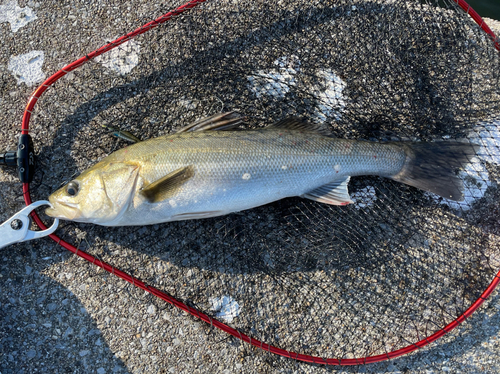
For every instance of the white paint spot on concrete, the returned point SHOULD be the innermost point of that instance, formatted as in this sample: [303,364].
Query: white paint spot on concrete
[275,82]
[271,83]
[330,100]
[172,203]
[225,307]
[17,17]
[122,59]
[27,68]
[364,197]
[475,175]
[246,176]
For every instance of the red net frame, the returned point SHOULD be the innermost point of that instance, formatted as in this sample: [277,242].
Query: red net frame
[192,311]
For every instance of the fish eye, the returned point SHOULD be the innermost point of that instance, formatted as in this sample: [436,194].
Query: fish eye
[72,188]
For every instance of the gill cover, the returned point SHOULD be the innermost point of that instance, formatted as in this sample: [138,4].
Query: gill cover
[118,182]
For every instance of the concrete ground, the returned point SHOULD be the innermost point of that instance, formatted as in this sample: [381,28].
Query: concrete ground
[59,314]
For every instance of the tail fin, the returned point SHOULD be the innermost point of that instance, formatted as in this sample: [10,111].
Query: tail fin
[432,167]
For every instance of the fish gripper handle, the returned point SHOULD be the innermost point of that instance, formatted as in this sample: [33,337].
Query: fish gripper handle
[24,158]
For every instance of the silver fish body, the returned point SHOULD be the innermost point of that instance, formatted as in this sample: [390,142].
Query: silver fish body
[202,174]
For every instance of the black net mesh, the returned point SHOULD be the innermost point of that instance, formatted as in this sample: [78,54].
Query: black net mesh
[342,282]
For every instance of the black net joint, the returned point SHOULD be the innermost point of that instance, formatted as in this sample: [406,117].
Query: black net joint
[23,159]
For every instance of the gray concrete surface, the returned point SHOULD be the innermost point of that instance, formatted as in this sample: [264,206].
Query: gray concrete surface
[59,314]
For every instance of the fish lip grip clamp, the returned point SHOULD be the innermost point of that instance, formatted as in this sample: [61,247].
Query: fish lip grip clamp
[17,228]
[24,158]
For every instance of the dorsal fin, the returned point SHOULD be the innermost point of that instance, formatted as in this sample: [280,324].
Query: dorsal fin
[300,124]
[167,186]
[219,121]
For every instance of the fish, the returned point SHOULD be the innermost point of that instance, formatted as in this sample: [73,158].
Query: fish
[213,168]
[122,134]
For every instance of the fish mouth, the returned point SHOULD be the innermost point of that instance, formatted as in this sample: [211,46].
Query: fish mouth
[64,210]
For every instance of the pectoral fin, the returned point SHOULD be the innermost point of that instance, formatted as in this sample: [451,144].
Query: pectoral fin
[335,193]
[219,121]
[167,186]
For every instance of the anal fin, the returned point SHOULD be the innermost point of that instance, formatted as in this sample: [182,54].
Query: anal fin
[334,193]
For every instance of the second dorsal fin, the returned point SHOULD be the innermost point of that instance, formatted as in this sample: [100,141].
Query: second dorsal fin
[300,124]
